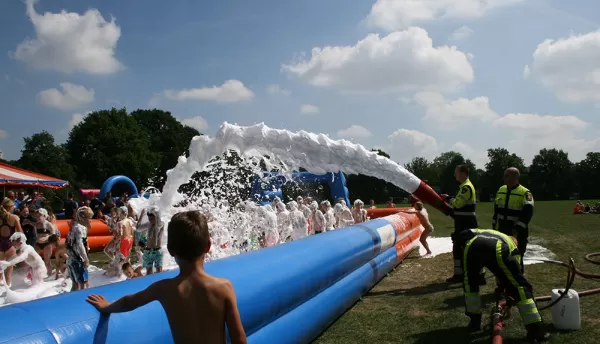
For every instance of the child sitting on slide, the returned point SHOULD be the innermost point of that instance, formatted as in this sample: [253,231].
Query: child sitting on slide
[198,306]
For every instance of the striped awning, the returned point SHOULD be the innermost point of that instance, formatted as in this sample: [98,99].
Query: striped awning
[16,177]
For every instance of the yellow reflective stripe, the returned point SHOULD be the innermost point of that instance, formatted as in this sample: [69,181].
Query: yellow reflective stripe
[467,246]
[473,302]
[510,277]
[529,312]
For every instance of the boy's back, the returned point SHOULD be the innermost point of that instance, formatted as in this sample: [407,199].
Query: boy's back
[196,306]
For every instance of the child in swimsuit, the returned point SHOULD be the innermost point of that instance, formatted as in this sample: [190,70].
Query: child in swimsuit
[111,221]
[44,229]
[423,216]
[126,231]
[77,261]
[60,251]
[9,224]
[153,257]
[27,254]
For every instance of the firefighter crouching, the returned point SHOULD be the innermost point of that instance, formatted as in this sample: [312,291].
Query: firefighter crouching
[499,254]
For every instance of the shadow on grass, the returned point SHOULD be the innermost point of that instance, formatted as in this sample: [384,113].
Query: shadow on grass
[421,290]
[449,335]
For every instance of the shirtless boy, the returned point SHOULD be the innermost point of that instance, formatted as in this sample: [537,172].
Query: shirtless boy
[198,305]
[126,231]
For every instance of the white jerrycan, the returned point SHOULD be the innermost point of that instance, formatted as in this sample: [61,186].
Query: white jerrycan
[566,314]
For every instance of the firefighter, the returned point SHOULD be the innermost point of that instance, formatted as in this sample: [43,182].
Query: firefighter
[513,209]
[463,206]
[499,254]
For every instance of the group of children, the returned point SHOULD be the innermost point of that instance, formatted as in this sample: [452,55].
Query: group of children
[71,256]
[143,233]
[280,222]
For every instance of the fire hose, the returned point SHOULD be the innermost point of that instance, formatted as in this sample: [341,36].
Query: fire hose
[501,311]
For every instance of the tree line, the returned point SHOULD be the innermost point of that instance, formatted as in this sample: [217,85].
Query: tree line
[144,144]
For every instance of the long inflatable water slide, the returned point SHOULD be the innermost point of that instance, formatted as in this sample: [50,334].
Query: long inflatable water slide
[288,293]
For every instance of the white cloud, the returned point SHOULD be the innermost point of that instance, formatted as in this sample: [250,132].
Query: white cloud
[406,144]
[274,89]
[449,116]
[197,123]
[72,96]
[3,134]
[570,67]
[307,108]
[461,33]
[354,132]
[393,15]
[528,133]
[231,91]
[479,157]
[401,61]
[69,42]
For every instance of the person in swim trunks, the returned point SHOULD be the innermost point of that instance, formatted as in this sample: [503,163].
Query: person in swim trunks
[126,231]
[78,261]
[153,256]
[9,224]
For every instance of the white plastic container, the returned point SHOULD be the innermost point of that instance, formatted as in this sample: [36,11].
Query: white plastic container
[566,314]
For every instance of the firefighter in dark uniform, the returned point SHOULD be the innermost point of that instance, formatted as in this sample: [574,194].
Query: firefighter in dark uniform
[513,209]
[463,206]
[499,254]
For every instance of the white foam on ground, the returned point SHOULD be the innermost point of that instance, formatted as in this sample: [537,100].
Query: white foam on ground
[535,251]
[437,245]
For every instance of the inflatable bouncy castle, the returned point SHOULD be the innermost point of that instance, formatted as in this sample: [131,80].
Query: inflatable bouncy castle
[267,186]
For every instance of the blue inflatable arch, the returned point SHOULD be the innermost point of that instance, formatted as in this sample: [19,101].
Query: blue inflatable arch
[336,182]
[112,181]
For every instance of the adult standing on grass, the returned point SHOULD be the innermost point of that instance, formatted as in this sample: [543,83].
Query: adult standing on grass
[513,209]
[463,206]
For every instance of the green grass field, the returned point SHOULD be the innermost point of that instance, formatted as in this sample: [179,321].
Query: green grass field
[413,304]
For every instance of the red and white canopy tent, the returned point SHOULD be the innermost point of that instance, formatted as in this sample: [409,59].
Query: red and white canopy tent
[15,177]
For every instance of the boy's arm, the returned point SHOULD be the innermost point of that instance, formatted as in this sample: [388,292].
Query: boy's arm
[237,335]
[128,302]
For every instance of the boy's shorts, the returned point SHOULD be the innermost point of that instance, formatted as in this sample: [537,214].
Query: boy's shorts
[77,271]
[152,257]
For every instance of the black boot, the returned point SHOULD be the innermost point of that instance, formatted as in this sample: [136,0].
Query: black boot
[475,323]
[536,333]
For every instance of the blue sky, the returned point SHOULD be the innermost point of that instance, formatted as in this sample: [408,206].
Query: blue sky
[465,75]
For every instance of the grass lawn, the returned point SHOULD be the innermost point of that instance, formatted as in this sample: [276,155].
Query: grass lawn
[413,304]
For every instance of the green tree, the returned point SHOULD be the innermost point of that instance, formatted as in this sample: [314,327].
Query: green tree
[499,160]
[588,175]
[111,142]
[167,136]
[423,169]
[42,155]
[550,175]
